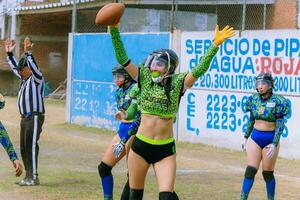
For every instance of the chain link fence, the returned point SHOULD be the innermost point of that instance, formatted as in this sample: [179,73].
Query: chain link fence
[184,15]
[197,15]
[48,23]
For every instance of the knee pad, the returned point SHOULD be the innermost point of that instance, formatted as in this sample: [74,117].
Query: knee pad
[136,194]
[268,175]
[250,172]
[168,196]
[104,169]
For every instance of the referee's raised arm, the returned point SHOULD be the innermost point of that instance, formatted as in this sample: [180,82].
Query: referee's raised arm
[13,64]
[31,61]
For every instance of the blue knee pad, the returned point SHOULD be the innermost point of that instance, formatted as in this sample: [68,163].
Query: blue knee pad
[168,196]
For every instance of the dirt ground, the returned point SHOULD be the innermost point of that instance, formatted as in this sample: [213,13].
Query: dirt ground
[69,156]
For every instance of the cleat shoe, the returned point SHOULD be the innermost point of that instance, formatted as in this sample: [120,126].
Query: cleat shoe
[30,182]
[21,181]
[36,181]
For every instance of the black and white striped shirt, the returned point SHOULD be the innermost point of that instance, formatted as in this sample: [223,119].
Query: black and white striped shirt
[30,97]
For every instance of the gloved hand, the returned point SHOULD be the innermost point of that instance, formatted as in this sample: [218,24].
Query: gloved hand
[244,144]
[221,36]
[118,148]
[121,114]
[2,101]
[272,150]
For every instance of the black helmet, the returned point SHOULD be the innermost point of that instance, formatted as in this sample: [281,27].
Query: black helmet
[119,69]
[167,55]
[267,77]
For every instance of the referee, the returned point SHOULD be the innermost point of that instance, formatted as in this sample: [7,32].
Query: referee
[31,108]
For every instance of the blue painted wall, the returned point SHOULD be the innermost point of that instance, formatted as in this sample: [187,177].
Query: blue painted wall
[92,98]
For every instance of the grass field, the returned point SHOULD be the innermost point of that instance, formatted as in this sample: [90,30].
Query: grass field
[69,155]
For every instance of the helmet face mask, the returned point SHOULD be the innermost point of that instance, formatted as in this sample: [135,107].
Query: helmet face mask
[165,61]
[120,76]
[159,64]
[119,79]
[264,84]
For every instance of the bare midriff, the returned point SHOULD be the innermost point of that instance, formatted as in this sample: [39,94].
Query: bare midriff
[156,127]
[262,125]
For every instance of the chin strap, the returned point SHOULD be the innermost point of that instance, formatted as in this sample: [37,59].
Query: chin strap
[161,78]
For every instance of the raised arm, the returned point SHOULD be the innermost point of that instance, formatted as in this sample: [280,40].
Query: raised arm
[202,67]
[31,61]
[9,47]
[33,66]
[120,52]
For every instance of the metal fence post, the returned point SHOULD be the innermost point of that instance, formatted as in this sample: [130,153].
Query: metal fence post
[244,16]
[74,17]
[171,27]
[265,14]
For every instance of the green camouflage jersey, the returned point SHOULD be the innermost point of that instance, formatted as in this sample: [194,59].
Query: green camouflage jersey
[273,109]
[268,110]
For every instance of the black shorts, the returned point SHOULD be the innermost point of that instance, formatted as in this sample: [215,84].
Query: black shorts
[152,153]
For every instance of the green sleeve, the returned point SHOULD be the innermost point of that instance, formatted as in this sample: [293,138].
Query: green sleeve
[6,143]
[131,111]
[133,107]
[204,64]
[283,109]
[120,52]
[278,131]
[249,127]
